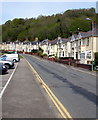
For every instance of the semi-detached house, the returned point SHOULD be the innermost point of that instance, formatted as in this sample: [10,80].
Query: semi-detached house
[81,46]
[64,47]
[89,45]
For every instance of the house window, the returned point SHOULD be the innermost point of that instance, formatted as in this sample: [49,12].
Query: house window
[88,55]
[59,54]
[60,46]
[63,53]
[72,54]
[82,55]
[80,42]
[69,55]
[72,44]
[76,55]
[83,42]
[76,43]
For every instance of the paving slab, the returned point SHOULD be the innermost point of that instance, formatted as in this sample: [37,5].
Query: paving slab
[23,98]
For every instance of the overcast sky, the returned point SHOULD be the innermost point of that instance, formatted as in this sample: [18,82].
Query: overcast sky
[11,10]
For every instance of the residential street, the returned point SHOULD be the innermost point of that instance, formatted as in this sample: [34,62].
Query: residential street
[76,90]
[49,60]
[24,98]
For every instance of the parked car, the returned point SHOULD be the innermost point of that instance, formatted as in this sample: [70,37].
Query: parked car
[10,57]
[96,68]
[8,64]
[3,69]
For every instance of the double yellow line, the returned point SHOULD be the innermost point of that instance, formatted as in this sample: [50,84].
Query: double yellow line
[63,111]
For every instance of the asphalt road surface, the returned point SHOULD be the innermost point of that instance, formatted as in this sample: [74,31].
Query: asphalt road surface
[76,90]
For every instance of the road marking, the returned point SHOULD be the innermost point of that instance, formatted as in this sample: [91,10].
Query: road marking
[7,82]
[55,103]
[63,111]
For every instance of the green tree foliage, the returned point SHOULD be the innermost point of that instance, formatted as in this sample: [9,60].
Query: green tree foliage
[0,33]
[96,59]
[48,26]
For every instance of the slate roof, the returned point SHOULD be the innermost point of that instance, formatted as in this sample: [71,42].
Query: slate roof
[44,42]
[89,33]
[53,42]
[26,42]
[86,34]
[60,40]
[64,40]
[17,42]
[75,36]
[35,42]
[7,42]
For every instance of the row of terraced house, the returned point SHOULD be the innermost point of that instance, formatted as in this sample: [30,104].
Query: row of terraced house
[81,46]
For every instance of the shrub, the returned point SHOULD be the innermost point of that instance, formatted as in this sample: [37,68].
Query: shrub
[42,55]
[96,59]
[34,51]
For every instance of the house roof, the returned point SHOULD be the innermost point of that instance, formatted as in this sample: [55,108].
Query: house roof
[75,36]
[7,42]
[53,42]
[17,42]
[35,42]
[60,40]
[85,34]
[64,40]
[26,42]
[89,33]
[44,42]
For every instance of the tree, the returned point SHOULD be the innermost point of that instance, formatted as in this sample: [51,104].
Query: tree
[48,26]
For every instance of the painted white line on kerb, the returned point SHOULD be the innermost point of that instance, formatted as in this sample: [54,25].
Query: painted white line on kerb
[7,82]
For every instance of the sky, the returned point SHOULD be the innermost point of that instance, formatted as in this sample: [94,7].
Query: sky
[11,10]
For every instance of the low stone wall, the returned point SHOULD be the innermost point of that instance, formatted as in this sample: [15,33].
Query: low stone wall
[67,62]
[63,61]
[76,64]
[85,66]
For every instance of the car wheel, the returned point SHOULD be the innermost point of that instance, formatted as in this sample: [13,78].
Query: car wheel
[7,65]
[14,60]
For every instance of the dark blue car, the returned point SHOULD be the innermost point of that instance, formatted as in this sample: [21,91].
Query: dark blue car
[3,69]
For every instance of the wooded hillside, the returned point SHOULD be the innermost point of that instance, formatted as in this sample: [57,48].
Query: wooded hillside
[48,26]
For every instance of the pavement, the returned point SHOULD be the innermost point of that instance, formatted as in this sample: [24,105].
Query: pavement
[24,97]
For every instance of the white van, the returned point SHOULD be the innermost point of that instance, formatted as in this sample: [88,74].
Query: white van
[10,57]
[8,64]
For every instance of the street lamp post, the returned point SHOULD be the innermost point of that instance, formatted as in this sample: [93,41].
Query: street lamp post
[92,41]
